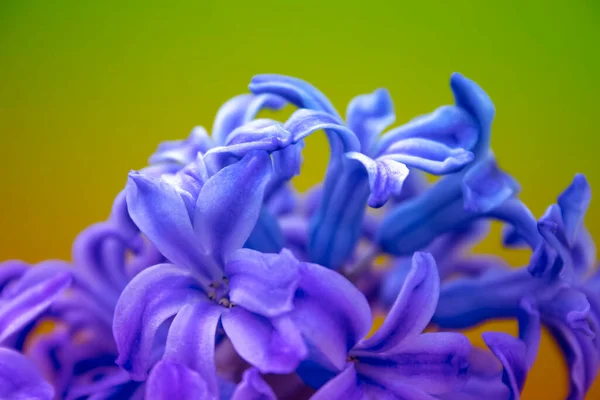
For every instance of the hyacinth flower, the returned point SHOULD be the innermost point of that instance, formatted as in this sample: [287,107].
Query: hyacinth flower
[199,223]
[373,172]
[568,308]
[26,292]
[481,190]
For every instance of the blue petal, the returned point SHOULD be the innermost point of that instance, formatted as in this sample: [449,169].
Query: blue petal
[263,283]
[252,387]
[427,155]
[151,298]
[20,379]
[413,308]
[171,380]
[229,204]
[386,178]
[266,236]
[448,125]
[573,203]
[294,90]
[240,110]
[182,152]
[512,353]
[485,186]
[344,386]
[370,114]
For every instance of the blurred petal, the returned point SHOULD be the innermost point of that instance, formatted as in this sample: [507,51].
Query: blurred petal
[386,178]
[30,296]
[240,110]
[413,308]
[152,297]
[266,236]
[294,90]
[485,186]
[191,340]
[162,216]
[229,204]
[448,125]
[170,380]
[512,354]
[345,386]
[252,387]
[573,203]
[427,155]
[20,379]
[184,151]
[263,283]
[530,330]
[272,346]
[370,114]
[435,363]
[331,330]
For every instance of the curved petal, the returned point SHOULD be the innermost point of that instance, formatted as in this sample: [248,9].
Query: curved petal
[184,151]
[272,346]
[304,122]
[413,308]
[386,178]
[263,283]
[191,340]
[429,156]
[471,97]
[161,214]
[574,202]
[151,298]
[252,387]
[11,270]
[370,114]
[294,90]
[448,125]
[345,386]
[229,204]
[512,353]
[485,186]
[20,379]
[240,110]
[435,363]
[570,306]
[266,236]
[31,295]
[170,380]
[332,314]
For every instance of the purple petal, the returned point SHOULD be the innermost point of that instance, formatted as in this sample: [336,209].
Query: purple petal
[263,283]
[170,380]
[413,308]
[574,202]
[161,214]
[191,340]
[120,215]
[266,236]
[31,295]
[20,379]
[252,387]
[512,353]
[304,122]
[471,97]
[530,330]
[331,313]
[240,110]
[427,155]
[284,201]
[11,270]
[229,204]
[448,125]
[184,151]
[435,363]
[151,298]
[386,178]
[272,346]
[485,186]
[344,386]
[370,114]
[294,90]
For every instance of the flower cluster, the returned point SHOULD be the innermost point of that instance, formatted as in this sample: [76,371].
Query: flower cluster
[212,278]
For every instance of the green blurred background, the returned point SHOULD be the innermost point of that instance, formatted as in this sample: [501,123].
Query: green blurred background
[88,89]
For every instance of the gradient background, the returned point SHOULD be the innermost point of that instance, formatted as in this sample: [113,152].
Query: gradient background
[88,90]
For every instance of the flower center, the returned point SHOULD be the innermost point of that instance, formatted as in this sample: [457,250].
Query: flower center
[219,292]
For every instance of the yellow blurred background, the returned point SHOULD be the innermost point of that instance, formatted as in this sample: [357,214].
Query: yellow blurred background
[88,89]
